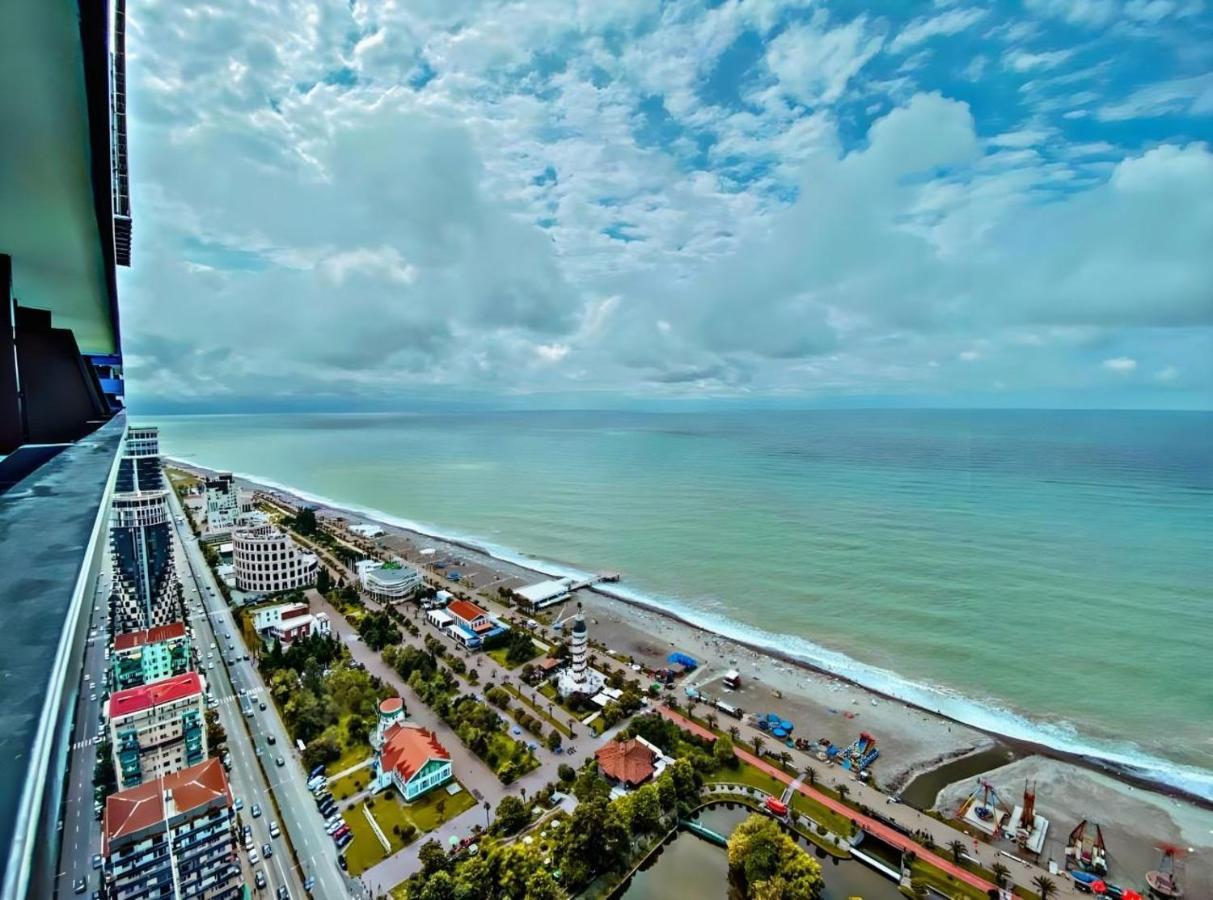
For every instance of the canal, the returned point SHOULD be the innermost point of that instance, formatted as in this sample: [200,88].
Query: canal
[691,867]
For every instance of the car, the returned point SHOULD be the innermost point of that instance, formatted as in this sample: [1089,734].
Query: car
[341,860]
[274,830]
[262,704]
[333,826]
[253,857]
[239,804]
[260,880]
[344,839]
[97,861]
[270,739]
[92,698]
[256,810]
[283,892]
[280,761]
[340,833]
[247,843]
[267,851]
[329,809]
[246,829]
[309,883]
[79,885]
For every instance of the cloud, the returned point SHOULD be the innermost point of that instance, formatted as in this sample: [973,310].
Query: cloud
[1180,96]
[1166,374]
[1120,364]
[815,63]
[1020,60]
[951,22]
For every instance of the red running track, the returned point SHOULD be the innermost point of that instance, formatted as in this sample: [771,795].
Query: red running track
[873,827]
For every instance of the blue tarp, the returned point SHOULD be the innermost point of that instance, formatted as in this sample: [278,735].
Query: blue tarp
[681,659]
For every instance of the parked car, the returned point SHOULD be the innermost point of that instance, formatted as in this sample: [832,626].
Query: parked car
[97,861]
[274,831]
[280,761]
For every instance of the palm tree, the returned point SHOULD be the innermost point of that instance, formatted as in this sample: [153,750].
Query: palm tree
[1045,886]
[785,757]
[843,790]
[1000,873]
[810,775]
[734,733]
[957,848]
[759,743]
[711,719]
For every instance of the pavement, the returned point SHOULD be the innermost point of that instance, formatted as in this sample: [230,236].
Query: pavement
[255,778]
[81,835]
[1022,872]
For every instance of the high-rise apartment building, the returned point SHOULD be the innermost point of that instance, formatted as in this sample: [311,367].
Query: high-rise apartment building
[146,590]
[157,728]
[173,837]
[222,503]
[267,561]
[149,655]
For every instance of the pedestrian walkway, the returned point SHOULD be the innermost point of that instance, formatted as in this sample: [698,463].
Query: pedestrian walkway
[872,826]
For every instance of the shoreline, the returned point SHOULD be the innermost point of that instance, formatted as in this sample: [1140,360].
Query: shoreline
[979,738]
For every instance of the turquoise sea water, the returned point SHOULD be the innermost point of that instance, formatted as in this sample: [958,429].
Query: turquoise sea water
[1044,574]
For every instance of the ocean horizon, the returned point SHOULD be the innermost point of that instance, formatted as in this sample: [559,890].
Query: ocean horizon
[1039,574]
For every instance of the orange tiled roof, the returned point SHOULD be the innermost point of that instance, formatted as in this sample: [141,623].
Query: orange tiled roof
[133,639]
[140,807]
[406,749]
[137,699]
[465,609]
[628,761]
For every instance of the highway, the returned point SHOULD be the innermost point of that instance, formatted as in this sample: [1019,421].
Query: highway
[317,855]
[81,834]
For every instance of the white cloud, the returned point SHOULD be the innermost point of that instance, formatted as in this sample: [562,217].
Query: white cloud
[552,353]
[1191,96]
[1166,374]
[1120,364]
[1091,13]
[1020,60]
[968,356]
[951,22]
[815,63]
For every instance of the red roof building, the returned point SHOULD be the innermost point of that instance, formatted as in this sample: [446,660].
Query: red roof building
[147,696]
[133,639]
[470,615]
[413,760]
[630,762]
[145,807]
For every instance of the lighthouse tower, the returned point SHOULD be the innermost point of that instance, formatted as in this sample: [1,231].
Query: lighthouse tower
[391,711]
[579,678]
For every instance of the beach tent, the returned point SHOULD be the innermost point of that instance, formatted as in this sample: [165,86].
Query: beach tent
[779,732]
[681,659]
[773,719]
[786,725]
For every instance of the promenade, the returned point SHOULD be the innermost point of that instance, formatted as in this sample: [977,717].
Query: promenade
[1022,873]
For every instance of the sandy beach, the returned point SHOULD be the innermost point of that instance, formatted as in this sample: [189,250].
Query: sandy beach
[1135,819]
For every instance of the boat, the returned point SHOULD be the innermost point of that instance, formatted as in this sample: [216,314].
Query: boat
[1163,881]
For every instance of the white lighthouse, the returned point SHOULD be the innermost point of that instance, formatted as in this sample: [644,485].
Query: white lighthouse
[579,678]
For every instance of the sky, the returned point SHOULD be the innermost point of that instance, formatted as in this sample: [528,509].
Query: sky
[444,203]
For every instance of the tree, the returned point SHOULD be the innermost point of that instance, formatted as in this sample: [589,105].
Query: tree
[305,521]
[958,848]
[646,810]
[439,886]
[810,775]
[843,790]
[722,751]
[512,816]
[759,744]
[1000,873]
[542,886]
[1045,886]
[321,751]
[593,842]
[765,863]
[324,582]
[554,740]
[566,773]
[432,858]
[473,880]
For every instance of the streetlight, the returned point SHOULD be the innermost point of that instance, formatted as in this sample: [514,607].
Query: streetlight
[487,807]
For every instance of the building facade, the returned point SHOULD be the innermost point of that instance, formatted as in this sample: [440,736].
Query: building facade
[266,561]
[150,655]
[222,503]
[173,837]
[158,728]
[288,622]
[146,591]
[388,582]
[412,761]
[471,625]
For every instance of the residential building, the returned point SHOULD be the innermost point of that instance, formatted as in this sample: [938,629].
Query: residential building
[173,837]
[412,761]
[146,591]
[61,404]
[157,728]
[629,764]
[267,561]
[222,503]
[471,625]
[149,655]
[287,622]
[388,582]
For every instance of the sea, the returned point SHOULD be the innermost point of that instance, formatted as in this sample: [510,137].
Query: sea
[1047,575]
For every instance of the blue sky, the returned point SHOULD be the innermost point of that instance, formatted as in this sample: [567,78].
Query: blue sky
[581,204]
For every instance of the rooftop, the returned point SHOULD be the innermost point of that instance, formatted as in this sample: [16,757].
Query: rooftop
[139,808]
[391,705]
[465,609]
[628,761]
[133,639]
[407,748]
[147,696]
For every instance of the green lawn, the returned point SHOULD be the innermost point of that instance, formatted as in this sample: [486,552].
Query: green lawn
[752,777]
[425,813]
[344,788]
[540,711]
[351,754]
[364,850]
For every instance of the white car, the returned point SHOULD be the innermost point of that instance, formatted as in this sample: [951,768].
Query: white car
[253,857]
